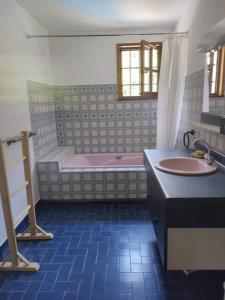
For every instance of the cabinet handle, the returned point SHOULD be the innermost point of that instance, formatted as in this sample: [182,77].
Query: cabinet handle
[155,220]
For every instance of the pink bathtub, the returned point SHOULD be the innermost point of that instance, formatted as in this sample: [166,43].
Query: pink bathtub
[105,160]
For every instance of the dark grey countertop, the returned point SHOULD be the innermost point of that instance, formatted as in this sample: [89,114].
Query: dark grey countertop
[177,186]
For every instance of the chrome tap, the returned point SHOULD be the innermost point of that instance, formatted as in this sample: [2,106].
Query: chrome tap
[209,158]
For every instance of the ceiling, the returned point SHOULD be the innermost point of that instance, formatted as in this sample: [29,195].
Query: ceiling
[98,16]
[213,38]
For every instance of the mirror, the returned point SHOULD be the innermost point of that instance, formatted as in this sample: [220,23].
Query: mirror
[216,80]
[213,45]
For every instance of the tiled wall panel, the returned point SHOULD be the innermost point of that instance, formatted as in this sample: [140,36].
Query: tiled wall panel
[42,114]
[217,104]
[93,185]
[57,183]
[191,112]
[92,119]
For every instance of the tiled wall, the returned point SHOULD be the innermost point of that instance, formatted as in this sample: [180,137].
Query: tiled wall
[42,114]
[191,112]
[92,119]
[217,104]
[93,185]
[88,119]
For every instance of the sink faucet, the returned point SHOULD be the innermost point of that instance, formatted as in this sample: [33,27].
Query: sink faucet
[209,158]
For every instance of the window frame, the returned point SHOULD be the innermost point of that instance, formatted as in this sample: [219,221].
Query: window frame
[220,72]
[137,46]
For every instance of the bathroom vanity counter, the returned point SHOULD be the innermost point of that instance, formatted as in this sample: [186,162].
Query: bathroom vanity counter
[181,186]
[188,215]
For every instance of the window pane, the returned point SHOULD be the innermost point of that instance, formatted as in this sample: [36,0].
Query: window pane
[208,58]
[154,78]
[135,90]
[215,57]
[126,90]
[125,59]
[130,80]
[155,58]
[135,59]
[213,88]
[125,76]
[146,58]
[146,88]
[154,88]
[135,76]
[214,73]
[147,77]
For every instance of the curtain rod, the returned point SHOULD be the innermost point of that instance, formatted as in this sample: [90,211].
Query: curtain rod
[102,35]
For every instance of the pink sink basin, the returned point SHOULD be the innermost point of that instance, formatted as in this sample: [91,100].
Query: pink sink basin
[185,166]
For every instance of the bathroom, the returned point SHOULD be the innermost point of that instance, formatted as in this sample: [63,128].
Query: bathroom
[93,144]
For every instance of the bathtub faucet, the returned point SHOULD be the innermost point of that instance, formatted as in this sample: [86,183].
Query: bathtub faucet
[209,158]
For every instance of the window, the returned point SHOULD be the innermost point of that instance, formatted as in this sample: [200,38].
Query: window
[138,67]
[216,71]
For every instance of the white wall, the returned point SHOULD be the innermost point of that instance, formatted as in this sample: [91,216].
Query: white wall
[93,60]
[20,59]
[207,14]
[89,60]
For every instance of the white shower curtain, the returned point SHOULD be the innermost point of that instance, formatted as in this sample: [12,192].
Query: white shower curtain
[171,90]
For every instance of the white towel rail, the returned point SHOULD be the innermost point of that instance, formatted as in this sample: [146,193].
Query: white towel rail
[16,261]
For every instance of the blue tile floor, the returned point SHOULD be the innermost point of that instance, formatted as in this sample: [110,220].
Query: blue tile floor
[102,251]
